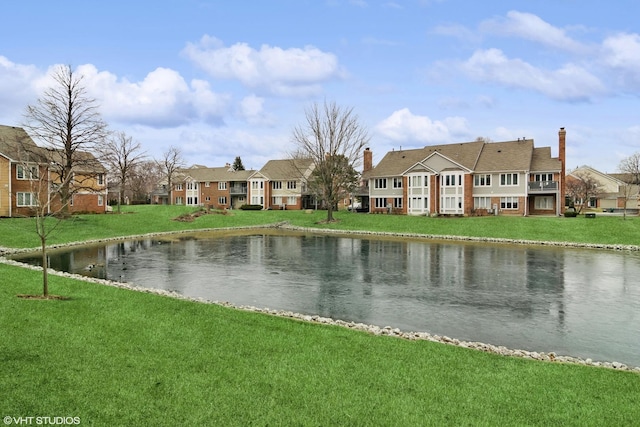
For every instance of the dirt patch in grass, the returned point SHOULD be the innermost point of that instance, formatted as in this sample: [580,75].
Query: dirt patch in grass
[190,217]
[43,297]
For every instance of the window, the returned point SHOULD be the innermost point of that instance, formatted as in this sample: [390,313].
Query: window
[543,177]
[482,180]
[222,200]
[380,183]
[292,185]
[100,200]
[207,199]
[292,200]
[27,199]
[397,202]
[508,203]
[207,184]
[543,202]
[276,200]
[451,203]
[192,185]
[482,203]
[255,185]
[276,185]
[452,180]
[179,187]
[222,185]
[380,202]
[27,172]
[415,181]
[192,200]
[509,179]
[256,200]
[397,182]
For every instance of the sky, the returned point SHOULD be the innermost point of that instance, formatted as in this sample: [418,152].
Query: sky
[221,79]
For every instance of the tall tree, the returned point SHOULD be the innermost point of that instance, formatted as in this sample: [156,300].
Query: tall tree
[170,162]
[121,154]
[333,138]
[144,179]
[68,122]
[630,174]
[237,164]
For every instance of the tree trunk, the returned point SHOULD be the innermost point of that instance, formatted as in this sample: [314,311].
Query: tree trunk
[45,267]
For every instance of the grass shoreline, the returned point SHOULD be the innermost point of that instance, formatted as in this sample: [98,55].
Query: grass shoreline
[115,357]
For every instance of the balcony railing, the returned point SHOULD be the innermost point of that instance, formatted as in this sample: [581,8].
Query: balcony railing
[540,186]
[238,190]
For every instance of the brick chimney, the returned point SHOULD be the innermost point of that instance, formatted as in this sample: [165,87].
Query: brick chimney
[562,148]
[367,160]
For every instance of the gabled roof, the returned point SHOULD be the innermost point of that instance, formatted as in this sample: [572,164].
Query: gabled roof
[219,174]
[287,169]
[395,163]
[17,145]
[83,161]
[505,156]
[543,162]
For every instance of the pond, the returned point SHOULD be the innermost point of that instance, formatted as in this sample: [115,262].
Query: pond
[575,302]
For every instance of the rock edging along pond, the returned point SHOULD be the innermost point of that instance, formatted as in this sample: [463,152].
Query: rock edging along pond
[376,330]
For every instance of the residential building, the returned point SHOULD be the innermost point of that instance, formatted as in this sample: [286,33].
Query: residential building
[26,175]
[217,188]
[472,178]
[614,191]
[88,182]
[282,184]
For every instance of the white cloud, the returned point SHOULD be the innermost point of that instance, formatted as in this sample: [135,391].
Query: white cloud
[252,110]
[568,83]
[532,27]
[456,30]
[162,99]
[16,87]
[282,72]
[404,126]
[622,54]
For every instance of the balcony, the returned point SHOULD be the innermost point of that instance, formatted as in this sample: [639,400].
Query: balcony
[238,190]
[543,186]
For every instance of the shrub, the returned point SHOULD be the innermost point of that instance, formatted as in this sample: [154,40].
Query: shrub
[570,214]
[251,207]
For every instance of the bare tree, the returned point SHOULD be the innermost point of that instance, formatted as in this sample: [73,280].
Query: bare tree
[33,167]
[67,121]
[581,188]
[169,164]
[630,174]
[333,138]
[144,179]
[122,155]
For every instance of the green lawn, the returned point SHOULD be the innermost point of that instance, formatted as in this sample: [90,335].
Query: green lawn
[19,232]
[117,357]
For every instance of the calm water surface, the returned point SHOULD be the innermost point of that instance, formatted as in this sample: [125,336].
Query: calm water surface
[576,302]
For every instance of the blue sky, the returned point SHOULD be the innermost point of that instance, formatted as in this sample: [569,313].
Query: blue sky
[222,79]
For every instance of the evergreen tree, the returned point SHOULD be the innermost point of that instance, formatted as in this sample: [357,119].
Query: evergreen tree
[237,164]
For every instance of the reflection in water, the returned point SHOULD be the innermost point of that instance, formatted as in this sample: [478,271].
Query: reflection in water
[582,303]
